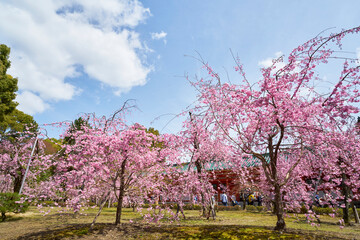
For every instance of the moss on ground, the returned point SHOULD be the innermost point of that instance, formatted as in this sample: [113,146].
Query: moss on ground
[228,225]
[136,231]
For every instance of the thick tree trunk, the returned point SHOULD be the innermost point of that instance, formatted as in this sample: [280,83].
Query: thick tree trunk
[17,184]
[212,212]
[244,201]
[346,216]
[274,210]
[3,216]
[346,193]
[121,193]
[119,205]
[272,177]
[199,170]
[199,167]
[119,209]
[278,209]
[203,205]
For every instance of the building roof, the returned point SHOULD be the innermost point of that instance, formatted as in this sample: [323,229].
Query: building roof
[226,165]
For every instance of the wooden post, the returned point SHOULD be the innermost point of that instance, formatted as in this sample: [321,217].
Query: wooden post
[356,215]
[28,166]
[100,209]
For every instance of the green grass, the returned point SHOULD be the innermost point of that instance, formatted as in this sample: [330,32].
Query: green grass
[228,225]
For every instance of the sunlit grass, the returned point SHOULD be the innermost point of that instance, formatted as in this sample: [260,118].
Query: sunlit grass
[228,225]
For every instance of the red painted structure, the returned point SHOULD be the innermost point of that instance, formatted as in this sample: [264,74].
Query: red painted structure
[227,181]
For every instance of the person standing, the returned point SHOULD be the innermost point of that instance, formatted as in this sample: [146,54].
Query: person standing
[259,200]
[251,199]
[224,199]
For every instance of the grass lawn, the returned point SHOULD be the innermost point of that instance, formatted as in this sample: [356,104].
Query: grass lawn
[228,225]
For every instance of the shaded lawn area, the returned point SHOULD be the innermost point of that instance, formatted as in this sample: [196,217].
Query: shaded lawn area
[228,225]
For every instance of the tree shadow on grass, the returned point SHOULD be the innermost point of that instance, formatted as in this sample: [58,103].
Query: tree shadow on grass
[70,230]
[229,232]
[148,231]
[12,218]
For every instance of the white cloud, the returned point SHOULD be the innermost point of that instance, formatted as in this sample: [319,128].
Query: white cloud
[269,61]
[158,36]
[31,103]
[266,63]
[48,38]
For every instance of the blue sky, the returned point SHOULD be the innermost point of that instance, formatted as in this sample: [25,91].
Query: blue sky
[89,56]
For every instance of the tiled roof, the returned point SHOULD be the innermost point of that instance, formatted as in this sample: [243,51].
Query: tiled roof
[222,165]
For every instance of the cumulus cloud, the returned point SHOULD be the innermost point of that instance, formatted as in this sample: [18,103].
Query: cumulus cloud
[158,36]
[50,38]
[268,61]
[31,103]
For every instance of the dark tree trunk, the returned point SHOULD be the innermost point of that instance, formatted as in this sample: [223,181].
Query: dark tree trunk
[346,212]
[273,176]
[346,193]
[119,209]
[199,170]
[3,216]
[119,205]
[244,201]
[180,209]
[212,212]
[17,184]
[198,166]
[121,193]
[278,209]
[274,209]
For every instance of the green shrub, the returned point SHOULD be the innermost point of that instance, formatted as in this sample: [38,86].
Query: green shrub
[260,208]
[174,206]
[146,205]
[192,207]
[351,213]
[323,211]
[303,209]
[48,203]
[169,205]
[339,212]
[237,207]
[8,203]
[251,208]
[228,208]
[91,204]
[221,208]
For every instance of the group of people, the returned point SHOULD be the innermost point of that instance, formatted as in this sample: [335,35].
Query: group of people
[254,198]
[251,199]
